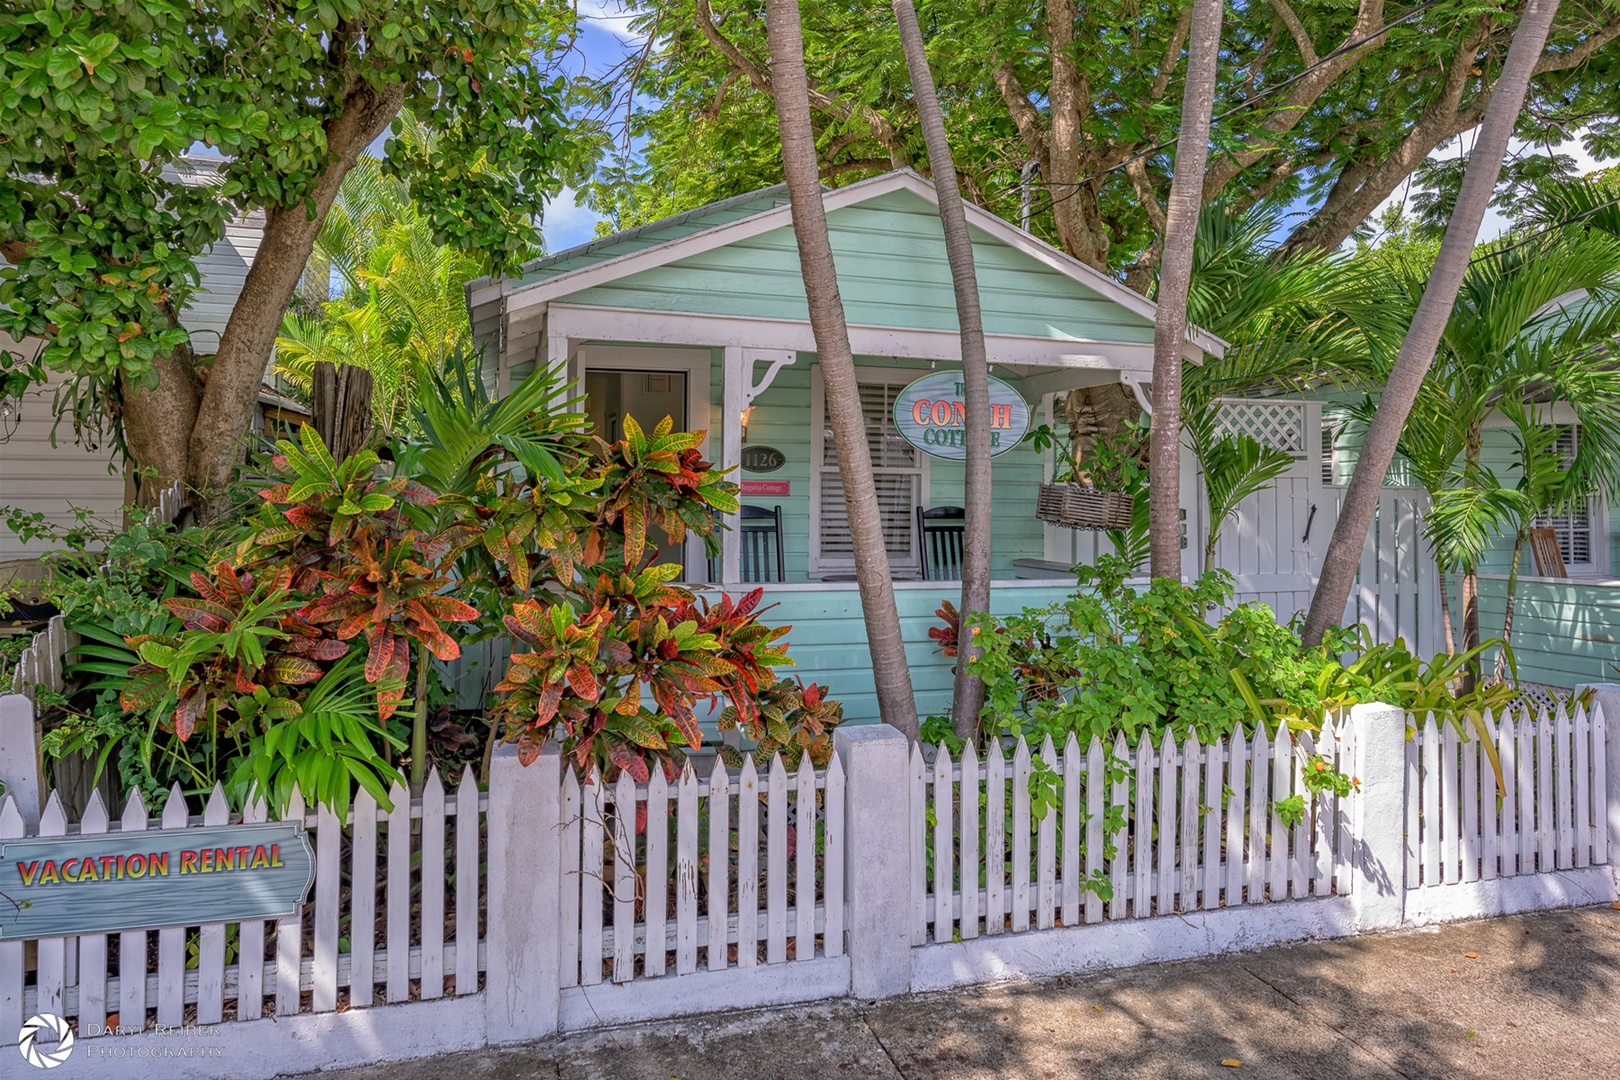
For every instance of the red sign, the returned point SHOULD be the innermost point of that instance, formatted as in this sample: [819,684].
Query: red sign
[765,487]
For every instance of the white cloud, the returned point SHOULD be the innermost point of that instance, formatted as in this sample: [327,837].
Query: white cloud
[612,16]
[566,224]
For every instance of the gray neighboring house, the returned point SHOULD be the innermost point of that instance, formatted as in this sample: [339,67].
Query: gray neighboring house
[55,479]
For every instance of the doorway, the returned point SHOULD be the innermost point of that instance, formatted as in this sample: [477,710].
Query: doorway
[647,397]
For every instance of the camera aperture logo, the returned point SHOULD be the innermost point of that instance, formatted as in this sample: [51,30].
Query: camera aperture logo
[45,1028]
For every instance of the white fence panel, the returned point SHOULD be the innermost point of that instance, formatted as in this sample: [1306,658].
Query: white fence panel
[186,978]
[1101,834]
[1546,813]
[657,890]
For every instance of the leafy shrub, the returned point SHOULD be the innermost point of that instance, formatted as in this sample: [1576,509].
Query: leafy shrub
[1112,658]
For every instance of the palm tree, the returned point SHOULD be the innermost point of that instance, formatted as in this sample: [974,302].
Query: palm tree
[1530,318]
[969,694]
[1434,310]
[400,311]
[896,703]
[1175,275]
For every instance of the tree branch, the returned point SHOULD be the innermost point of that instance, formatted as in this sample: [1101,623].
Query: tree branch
[1024,116]
[1361,186]
[1172,54]
[1297,101]
[1136,169]
[1302,40]
[821,100]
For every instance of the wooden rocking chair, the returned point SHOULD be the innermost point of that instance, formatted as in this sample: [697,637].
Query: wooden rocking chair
[1549,559]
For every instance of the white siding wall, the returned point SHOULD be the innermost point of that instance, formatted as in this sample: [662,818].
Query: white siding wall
[224,267]
[36,476]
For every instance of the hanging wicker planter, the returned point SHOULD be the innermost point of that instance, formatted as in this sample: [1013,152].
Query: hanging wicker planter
[1081,506]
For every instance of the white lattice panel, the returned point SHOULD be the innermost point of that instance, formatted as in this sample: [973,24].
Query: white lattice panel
[1279,425]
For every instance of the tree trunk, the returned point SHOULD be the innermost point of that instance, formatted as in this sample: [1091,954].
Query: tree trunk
[1445,612]
[889,669]
[969,697]
[1434,311]
[1175,277]
[1073,202]
[157,423]
[1472,445]
[1512,596]
[341,404]
[210,420]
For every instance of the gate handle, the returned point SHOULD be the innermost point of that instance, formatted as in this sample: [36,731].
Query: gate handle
[1308,519]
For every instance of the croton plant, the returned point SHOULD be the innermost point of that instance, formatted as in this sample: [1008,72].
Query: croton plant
[550,530]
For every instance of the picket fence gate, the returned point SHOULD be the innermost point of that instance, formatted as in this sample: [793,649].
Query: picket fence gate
[307,964]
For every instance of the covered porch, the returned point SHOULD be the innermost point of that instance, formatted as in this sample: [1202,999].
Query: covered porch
[703,318]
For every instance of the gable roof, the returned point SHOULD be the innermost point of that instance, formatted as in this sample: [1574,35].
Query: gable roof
[744,217]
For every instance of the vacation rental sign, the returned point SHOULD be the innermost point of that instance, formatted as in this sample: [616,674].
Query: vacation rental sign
[932,417]
[62,886]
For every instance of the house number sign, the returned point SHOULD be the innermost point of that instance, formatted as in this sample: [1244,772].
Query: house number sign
[932,417]
[762,459]
[62,886]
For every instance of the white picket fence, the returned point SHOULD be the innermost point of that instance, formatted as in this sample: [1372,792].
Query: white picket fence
[346,951]
[1129,833]
[606,902]
[652,877]
[1547,813]
[42,662]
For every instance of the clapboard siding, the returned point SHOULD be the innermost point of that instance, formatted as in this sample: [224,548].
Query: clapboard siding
[1564,632]
[224,268]
[40,478]
[892,271]
[827,639]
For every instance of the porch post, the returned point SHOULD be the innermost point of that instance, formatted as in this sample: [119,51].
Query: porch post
[558,350]
[735,380]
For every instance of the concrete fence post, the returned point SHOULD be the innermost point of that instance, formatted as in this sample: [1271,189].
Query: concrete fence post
[523,980]
[1606,703]
[877,847]
[1378,889]
[19,756]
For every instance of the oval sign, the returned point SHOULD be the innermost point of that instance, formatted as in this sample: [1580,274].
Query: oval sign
[762,459]
[931,416]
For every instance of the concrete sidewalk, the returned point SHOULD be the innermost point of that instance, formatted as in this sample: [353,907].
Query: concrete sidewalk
[1525,997]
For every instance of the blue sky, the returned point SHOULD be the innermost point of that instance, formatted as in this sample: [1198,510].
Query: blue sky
[604,40]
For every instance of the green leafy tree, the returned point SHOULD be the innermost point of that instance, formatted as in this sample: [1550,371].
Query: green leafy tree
[102,101]
[1304,100]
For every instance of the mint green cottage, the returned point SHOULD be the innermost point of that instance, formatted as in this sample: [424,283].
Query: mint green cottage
[702,317]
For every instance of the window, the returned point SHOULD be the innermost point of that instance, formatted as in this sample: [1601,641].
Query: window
[1330,460]
[1572,525]
[898,469]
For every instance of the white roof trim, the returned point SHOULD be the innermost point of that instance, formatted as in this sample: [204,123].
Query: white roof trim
[540,292]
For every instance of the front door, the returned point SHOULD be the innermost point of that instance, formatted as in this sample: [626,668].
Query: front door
[648,397]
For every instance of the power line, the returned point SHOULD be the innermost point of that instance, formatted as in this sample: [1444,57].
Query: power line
[1544,230]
